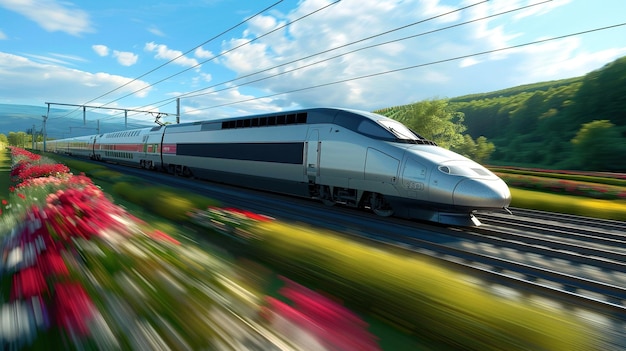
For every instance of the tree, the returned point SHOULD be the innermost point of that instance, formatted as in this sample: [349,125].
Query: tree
[479,150]
[432,119]
[599,146]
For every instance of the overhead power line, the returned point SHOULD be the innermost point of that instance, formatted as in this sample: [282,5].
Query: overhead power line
[189,95]
[193,93]
[184,53]
[174,59]
[227,51]
[415,66]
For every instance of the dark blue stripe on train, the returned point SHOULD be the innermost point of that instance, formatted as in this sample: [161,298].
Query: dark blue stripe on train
[291,153]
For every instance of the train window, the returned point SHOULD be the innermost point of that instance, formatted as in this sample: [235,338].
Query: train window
[374,130]
[348,120]
[266,121]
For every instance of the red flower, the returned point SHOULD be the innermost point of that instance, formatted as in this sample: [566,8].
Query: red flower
[159,235]
[27,283]
[52,263]
[4,202]
[74,308]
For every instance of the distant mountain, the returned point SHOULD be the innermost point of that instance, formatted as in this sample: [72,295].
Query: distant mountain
[62,122]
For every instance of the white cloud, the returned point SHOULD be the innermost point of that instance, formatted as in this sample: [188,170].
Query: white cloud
[52,15]
[164,53]
[469,61]
[49,82]
[125,58]
[3,36]
[156,31]
[101,50]
[562,58]
[540,9]
[203,54]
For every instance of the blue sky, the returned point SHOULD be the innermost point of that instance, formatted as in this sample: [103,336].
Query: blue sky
[116,53]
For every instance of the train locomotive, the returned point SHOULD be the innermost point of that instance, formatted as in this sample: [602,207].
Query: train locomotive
[338,156]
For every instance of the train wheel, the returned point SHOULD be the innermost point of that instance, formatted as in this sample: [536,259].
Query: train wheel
[380,206]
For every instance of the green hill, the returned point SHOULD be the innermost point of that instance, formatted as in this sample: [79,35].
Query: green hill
[534,125]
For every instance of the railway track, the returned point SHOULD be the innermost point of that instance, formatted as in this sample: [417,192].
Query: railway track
[567,262]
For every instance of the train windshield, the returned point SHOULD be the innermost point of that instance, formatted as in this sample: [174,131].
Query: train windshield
[399,130]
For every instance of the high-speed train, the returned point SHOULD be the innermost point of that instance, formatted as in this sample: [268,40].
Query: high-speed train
[339,156]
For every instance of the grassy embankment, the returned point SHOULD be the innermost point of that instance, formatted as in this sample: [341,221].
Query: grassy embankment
[598,195]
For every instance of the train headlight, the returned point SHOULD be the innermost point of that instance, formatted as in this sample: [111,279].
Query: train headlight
[468,169]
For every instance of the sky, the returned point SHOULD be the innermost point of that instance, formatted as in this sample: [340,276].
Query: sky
[232,58]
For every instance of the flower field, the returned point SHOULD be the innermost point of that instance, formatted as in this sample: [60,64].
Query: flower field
[80,272]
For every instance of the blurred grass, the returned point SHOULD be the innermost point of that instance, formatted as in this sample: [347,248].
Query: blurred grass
[576,205]
[5,173]
[434,303]
[563,176]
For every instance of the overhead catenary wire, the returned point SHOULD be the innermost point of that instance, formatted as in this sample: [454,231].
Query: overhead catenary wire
[185,53]
[416,66]
[177,57]
[228,51]
[193,93]
[188,95]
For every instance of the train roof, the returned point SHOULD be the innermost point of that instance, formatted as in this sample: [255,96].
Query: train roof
[302,116]
[348,118]
[386,128]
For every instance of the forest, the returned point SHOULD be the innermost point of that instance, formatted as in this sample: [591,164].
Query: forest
[577,123]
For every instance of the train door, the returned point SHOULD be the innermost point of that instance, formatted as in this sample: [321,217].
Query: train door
[313,154]
[150,154]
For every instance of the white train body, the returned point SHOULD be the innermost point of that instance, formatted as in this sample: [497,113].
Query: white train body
[341,156]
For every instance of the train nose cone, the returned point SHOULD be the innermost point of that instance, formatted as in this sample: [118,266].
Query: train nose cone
[482,193]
